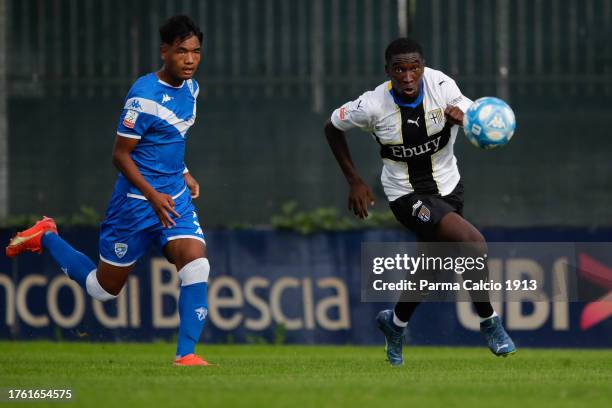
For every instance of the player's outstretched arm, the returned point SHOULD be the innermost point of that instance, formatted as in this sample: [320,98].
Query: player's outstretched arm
[162,204]
[360,195]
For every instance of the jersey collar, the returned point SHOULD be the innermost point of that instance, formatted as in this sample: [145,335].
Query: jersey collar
[398,101]
[167,84]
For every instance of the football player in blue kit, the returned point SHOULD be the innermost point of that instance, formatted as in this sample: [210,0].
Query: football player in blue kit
[152,199]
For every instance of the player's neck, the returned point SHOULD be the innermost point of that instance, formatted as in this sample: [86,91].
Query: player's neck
[164,76]
[407,102]
[406,99]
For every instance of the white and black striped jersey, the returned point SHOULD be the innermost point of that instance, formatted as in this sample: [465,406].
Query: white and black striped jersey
[416,142]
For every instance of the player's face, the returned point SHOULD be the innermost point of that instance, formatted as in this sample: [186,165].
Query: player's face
[182,58]
[405,72]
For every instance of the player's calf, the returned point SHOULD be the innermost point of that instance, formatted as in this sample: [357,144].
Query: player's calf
[193,305]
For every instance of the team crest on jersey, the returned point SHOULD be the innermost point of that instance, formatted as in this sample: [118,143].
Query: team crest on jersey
[120,250]
[129,121]
[424,214]
[434,121]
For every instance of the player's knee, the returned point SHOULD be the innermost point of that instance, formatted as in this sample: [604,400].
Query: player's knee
[475,243]
[194,272]
[96,290]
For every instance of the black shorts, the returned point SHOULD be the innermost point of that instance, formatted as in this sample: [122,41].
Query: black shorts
[421,213]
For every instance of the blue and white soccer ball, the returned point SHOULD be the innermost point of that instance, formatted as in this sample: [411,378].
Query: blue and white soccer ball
[489,123]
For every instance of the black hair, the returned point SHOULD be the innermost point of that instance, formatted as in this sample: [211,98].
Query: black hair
[402,46]
[178,27]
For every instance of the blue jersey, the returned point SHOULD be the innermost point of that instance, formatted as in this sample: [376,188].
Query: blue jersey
[159,116]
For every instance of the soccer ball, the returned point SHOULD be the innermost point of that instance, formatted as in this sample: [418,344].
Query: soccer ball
[489,123]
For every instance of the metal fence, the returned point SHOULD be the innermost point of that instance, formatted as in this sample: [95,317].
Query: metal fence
[309,48]
[273,70]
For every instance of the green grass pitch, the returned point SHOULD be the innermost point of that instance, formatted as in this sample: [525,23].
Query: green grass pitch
[141,375]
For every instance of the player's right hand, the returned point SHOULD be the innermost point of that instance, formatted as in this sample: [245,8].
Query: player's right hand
[163,205]
[360,196]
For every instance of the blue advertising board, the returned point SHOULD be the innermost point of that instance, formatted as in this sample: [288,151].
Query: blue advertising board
[274,286]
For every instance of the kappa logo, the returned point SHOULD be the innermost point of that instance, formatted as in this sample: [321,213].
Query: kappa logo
[166,98]
[197,224]
[201,313]
[424,214]
[135,104]
[129,121]
[416,206]
[497,122]
[413,122]
[120,249]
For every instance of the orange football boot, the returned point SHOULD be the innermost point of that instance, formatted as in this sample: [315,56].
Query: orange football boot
[30,239]
[190,360]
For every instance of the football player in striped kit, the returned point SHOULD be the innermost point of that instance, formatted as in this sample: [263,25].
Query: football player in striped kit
[415,117]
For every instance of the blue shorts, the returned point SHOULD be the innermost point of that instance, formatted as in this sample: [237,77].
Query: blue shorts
[131,226]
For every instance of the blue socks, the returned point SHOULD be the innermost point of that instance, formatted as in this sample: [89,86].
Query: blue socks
[193,299]
[74,264]
[193,308]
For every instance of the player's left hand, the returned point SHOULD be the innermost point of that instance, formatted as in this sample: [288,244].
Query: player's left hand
[194,186]
[454,115]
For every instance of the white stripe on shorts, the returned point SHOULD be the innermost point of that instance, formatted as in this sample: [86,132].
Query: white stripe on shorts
[117,263]
[141,197]
[187,236]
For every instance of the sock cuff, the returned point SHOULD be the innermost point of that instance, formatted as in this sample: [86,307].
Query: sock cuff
[482,319]
[398,322]
[196,271]
[48,235]
[94,288]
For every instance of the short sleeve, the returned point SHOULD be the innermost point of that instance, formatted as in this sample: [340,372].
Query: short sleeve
[453,95]
[354,114]
[137,117]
